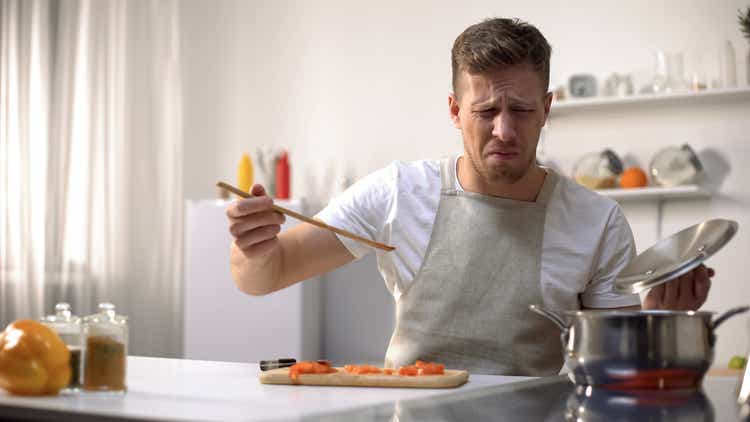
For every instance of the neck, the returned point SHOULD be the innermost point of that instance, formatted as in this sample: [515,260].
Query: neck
[524,189]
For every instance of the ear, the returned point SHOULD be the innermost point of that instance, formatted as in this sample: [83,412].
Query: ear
[547,106]
[453,109]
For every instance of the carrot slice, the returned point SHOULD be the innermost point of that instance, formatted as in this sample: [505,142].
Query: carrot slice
[410,371]
[419,368]
[430,368]
[309,368]
[362,369]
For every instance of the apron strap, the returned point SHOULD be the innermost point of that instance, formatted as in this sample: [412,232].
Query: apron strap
[448,180]
[448,173]
[550,181]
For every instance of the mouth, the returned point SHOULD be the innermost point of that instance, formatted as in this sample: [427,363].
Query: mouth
[502,155]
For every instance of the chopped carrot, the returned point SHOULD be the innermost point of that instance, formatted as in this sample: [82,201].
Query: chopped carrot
[429,368]
[320,367]
[410,371]
[419,368]
[362,369]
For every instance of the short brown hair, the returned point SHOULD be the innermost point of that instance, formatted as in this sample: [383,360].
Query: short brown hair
[497,43]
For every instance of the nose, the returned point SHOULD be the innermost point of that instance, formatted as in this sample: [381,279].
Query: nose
[504,127]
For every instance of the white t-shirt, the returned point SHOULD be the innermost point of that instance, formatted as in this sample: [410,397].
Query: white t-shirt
[587,240]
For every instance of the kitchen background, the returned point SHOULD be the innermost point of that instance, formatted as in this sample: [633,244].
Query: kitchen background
[348,87]
[151,102]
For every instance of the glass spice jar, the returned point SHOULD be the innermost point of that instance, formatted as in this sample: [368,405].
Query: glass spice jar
[105,337]
[68,327]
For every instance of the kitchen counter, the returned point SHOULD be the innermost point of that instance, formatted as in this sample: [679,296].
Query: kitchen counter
[190,390]
[557,399]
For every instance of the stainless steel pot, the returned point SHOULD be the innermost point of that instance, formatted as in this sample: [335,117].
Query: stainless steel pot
[638,349]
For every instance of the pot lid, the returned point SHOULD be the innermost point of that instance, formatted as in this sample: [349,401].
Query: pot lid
[675,255]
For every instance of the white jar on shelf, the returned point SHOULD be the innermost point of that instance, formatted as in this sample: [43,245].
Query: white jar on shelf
[727,65]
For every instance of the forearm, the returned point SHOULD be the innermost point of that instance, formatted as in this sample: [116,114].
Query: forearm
[257,275]
[297,254]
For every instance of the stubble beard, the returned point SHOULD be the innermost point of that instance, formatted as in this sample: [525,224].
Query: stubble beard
[505,174]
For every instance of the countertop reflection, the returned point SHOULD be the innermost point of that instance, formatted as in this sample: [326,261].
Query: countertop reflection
[589,404]
[557,399]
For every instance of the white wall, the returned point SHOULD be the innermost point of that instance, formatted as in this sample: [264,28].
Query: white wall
[350,87]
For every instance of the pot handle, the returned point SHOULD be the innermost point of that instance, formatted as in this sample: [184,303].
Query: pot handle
[728,314]
[551,315]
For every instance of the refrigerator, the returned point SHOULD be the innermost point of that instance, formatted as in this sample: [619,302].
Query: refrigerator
[224,324]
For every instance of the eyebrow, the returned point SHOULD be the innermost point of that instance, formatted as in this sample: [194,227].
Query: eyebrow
[482,104]
[523,103]
[511,100]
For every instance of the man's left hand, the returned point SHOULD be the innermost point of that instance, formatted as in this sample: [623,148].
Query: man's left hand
[685,293]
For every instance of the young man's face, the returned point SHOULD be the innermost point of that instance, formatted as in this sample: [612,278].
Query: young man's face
[500,115]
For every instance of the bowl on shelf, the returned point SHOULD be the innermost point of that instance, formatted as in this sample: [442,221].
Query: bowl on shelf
[676,166]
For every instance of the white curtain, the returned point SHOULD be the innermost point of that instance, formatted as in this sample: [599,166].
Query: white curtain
[91,163]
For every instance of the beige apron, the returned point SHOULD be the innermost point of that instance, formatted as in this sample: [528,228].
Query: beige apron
[467,307]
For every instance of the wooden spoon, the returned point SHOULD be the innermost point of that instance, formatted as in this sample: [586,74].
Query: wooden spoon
[314,222]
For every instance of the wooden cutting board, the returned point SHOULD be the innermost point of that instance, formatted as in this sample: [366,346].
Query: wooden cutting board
[451,379]
[725,372]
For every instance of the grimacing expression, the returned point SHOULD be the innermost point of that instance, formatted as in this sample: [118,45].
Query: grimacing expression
[500,115]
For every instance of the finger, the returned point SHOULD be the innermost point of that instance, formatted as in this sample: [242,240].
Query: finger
[256,236]
[701,285]
[671,293]
[686,299]
[261,248]
[243,207]
[258,190]
[710,271]
[654,298]
[699,274]
[702,288]
[240,226]
[275,218]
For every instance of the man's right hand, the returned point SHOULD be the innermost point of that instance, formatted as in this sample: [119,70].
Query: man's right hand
[254,224]
[262,262]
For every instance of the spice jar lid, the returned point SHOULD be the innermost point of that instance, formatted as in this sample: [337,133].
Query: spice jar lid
[106,315]
[63,320]
[675,255]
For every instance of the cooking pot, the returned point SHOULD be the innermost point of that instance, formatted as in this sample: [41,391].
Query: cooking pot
[648,349]
[653,349]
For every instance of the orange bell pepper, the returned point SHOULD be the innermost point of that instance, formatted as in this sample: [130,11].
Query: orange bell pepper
[33,359]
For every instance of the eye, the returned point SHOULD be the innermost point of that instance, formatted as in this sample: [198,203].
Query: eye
[486,112]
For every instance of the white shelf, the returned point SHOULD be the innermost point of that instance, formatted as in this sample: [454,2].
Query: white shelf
[570,106]
[654,192]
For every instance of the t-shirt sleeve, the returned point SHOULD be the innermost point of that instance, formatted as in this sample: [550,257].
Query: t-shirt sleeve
[363,209]
[616,251]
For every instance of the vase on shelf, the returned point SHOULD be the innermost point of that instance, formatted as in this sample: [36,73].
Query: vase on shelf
[727,65]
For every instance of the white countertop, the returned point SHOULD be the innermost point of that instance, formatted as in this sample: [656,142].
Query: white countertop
[191,390]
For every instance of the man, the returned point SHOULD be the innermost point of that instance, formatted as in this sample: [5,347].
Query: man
[478,237]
